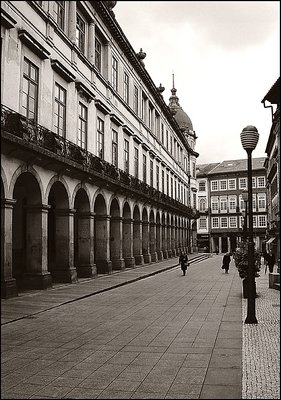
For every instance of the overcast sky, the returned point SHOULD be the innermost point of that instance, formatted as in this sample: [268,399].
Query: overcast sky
[225,56]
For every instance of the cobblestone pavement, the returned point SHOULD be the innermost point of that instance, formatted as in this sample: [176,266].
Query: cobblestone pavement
[261,345]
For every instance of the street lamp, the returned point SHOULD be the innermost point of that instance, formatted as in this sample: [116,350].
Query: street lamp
[245,215]
[249,139]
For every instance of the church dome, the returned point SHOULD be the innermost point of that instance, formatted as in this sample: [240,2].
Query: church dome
[180,116]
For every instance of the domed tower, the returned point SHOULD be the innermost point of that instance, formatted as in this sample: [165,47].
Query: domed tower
[181,117]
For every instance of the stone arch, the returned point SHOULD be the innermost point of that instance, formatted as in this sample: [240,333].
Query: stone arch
[50,185]
[60,233]
[116,251]
[101,237]
[78,188]
[83,234]
[4,184]
[29,227]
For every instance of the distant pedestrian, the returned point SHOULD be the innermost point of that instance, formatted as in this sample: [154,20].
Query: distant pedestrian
[183,262]
[271,261]
[225,262]
[265,258]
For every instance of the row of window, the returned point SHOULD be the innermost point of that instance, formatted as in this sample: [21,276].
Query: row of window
[120,78]
[229,204]
[233,184]
[259,221]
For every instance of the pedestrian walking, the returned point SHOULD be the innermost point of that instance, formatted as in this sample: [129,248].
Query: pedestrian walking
[183,262]
[271,261]
[265,258]
[225,262]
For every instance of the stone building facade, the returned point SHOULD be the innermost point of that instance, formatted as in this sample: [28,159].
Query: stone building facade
[221,205]
[272,165]
[96,169]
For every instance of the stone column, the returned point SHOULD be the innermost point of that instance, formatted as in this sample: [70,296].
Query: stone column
[137,242]
[145,243]
[220,245]
[128,242]
[102,248]
[169,241]
[64,270]
[84,263]
[37,275]
[164,242]
[173,241]
[116,243]
[8,283]
[228,244]
[159,242]
[152,240]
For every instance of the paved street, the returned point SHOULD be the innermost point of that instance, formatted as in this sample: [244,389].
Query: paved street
[165,336]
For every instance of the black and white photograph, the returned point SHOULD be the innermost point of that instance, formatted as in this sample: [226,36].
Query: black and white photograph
[140,206]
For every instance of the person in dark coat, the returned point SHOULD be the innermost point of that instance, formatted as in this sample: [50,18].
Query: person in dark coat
[270,261]
[225,262]
[183,261]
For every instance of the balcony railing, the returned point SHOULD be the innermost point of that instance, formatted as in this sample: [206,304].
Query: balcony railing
[33,133]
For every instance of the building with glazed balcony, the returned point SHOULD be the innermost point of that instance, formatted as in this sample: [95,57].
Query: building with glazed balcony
[98,173]
[221,205]
[272,165]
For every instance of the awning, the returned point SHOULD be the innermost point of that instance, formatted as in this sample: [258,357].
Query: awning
[270,240]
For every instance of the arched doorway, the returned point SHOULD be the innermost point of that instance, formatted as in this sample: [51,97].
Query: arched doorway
[29,239]
[102,230]
[61,235]
[83,236]
[116,251]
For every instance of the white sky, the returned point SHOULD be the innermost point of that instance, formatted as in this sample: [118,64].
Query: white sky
[225,57]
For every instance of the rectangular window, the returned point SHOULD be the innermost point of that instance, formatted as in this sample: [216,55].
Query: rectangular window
[136,100]
[30,90]
[215,222]
[151,172]
[214,185]
[98,53]
[150,117]
[261,182]
[215,206]
[126,87]
[224,222]
[82,128]
[232,184]
[115,148]
[242,183]
[80,33]
[126,155]
[232,204]
[202,223]
[100,138]
[202,186]
[232,222]
[172,187]
[60,110]
[144,167]
[253,182]
[255,221]
[167,182]
[163,181]
[157,177]
[59,10]
[261,202]
[262,221]
[171,144]
[223,185]
[114,76]
[223,205]
[136,162]
[162,134]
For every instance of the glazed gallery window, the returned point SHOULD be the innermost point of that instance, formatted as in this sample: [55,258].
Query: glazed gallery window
[59,12]
[261,202]
[60,110]
[126,155]
[242,183]
[202,205]
[126,88]
[30,90]
[261,181]
[223,204]
[224,222]
[82,126]
[100,138]
[114,148]
[98,53]
[144,167]
[202,186]
[223,185]
[232,222]
[114,76]
[202,223]
[80,33]
[232,184]
[232,204]
[262,221]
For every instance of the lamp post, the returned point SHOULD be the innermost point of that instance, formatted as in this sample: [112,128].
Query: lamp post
[249,139]
[245,215]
